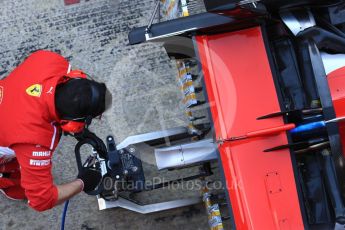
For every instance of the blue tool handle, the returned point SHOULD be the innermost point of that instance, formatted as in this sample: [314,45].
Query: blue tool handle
[308,127]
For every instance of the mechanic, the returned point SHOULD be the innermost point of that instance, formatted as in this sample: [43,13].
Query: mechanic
[39,100]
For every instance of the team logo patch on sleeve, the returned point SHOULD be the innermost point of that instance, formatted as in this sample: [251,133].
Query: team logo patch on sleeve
[34,90]
[39,162]
[1,93]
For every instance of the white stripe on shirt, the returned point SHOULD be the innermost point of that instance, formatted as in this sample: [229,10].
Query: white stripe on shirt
[54,136]
[69,68]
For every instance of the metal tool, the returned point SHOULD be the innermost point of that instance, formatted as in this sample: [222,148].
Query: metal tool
[307,128]
[260,133]
[304,112]
[313,147]
[148,28]
[298,145]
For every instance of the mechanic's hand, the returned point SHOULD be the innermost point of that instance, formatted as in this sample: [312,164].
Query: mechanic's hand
[91,178]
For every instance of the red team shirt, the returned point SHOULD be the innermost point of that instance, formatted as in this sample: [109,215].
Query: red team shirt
[28,123]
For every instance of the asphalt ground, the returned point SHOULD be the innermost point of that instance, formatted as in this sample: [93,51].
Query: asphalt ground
[93,36]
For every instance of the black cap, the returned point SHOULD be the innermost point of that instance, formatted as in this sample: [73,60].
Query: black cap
[80,98]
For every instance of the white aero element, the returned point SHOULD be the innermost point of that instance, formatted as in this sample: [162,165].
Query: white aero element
[186,154]
[332,62]
[297,25]
[141,138]
[147,208]
[6,154]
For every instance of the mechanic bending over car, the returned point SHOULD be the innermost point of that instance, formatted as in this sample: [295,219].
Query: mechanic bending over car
[38,100]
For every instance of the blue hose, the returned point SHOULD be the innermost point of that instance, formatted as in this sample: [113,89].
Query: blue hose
[308,127]
[64,215]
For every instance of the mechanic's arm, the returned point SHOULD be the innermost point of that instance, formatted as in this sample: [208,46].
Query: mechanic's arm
[66,191]
[87,181]
[37,180]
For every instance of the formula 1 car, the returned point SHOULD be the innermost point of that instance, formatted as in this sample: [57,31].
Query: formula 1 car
[272,76]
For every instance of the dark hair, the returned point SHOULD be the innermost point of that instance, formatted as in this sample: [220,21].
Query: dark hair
[80,98]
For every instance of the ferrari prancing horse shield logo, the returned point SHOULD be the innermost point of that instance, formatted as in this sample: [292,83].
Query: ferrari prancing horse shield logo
[34,90]
[1,93]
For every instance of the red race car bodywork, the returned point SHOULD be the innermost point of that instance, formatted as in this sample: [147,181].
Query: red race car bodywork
[261,185]
[267,66]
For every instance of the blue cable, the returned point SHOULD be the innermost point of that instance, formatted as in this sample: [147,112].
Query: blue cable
[64,215]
